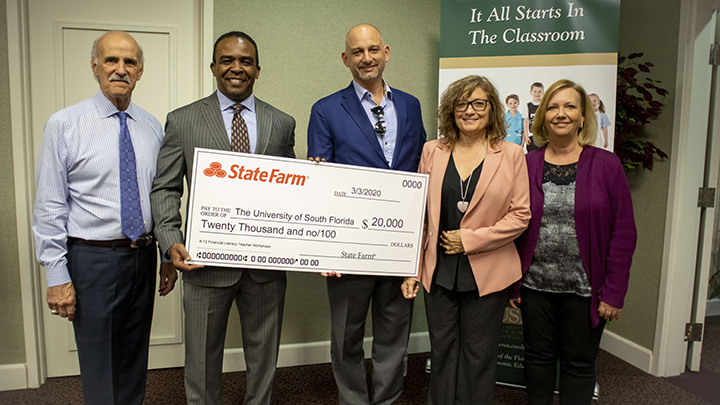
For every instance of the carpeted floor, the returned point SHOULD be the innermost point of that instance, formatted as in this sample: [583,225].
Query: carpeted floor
[620,383]
[705,383]
[711,345]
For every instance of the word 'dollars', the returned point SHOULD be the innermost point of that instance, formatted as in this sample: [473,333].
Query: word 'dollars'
[256,174]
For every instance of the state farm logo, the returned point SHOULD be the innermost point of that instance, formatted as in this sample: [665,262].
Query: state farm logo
[257,174]
[216,170]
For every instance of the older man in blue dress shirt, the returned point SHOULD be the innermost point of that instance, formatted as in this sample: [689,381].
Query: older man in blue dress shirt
[92,224]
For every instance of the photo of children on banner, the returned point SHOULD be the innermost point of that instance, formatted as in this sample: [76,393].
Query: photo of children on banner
[514,121]
[536,91]
[603,140]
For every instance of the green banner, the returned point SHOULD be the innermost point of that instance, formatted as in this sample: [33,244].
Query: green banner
[523,47]
[528,27]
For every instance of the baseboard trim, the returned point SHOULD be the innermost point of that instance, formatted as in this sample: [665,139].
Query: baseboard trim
[713,307]
[419,342]
[627,350]
[13,377]
[299,354]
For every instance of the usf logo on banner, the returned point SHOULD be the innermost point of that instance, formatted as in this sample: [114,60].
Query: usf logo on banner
[523,46]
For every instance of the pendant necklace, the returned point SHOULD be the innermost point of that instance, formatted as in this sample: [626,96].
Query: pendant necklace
[462,205]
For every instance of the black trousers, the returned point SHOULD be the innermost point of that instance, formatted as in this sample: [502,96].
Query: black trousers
[464,336]
[115,291]
[557,326]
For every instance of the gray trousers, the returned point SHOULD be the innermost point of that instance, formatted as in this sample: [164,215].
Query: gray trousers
[350,298]
[260,306]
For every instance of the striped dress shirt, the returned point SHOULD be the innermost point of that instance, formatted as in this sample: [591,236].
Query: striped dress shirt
[388,140]
[78,181]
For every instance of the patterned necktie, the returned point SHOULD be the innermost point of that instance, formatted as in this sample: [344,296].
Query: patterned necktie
[240,139]
[130,212]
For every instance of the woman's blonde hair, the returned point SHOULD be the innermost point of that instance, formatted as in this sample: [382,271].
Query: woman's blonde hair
[463,88]
[588,130]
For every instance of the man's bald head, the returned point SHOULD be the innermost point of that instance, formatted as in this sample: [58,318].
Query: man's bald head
[365,54]
[94,50]
[362,29]
[117,64]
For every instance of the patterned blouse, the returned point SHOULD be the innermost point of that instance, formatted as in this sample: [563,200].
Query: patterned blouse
[557,266]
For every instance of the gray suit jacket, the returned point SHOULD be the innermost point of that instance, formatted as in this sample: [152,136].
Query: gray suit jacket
[200,125]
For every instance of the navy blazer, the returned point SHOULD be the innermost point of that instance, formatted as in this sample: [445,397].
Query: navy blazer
[339,131]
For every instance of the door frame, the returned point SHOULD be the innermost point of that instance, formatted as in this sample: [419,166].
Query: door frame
[24,174]
[690,129]
[709,215]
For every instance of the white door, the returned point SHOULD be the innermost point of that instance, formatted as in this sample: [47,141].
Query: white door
[61,34]
[710,220]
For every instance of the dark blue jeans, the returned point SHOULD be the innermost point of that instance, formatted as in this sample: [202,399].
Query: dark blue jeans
[557,326]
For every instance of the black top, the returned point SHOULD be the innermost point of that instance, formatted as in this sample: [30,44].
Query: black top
[453,272]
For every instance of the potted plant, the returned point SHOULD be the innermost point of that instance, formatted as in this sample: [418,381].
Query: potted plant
[637,105]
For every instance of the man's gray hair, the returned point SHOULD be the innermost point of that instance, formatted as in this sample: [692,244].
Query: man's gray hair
[93,51]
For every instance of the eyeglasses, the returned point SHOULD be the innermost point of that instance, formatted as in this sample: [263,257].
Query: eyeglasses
[380,125]
[478,105]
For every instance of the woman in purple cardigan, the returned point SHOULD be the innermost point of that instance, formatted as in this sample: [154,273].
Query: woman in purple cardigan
[577,250]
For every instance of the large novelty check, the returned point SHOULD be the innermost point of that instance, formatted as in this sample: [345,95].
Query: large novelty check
[264,212]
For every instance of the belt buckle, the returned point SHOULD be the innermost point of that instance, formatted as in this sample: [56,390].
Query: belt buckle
[141,242]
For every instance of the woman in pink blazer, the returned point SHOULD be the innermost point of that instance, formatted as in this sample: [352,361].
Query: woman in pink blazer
[478,203]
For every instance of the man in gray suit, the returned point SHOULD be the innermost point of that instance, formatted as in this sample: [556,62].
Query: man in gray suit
[229,119]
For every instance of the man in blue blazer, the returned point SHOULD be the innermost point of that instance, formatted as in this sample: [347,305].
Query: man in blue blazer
[367,124]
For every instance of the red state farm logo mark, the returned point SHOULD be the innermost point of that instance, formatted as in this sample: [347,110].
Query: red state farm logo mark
[216,170]
[255,174]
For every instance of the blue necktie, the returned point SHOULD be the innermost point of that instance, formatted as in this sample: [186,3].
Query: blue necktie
[131,213]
